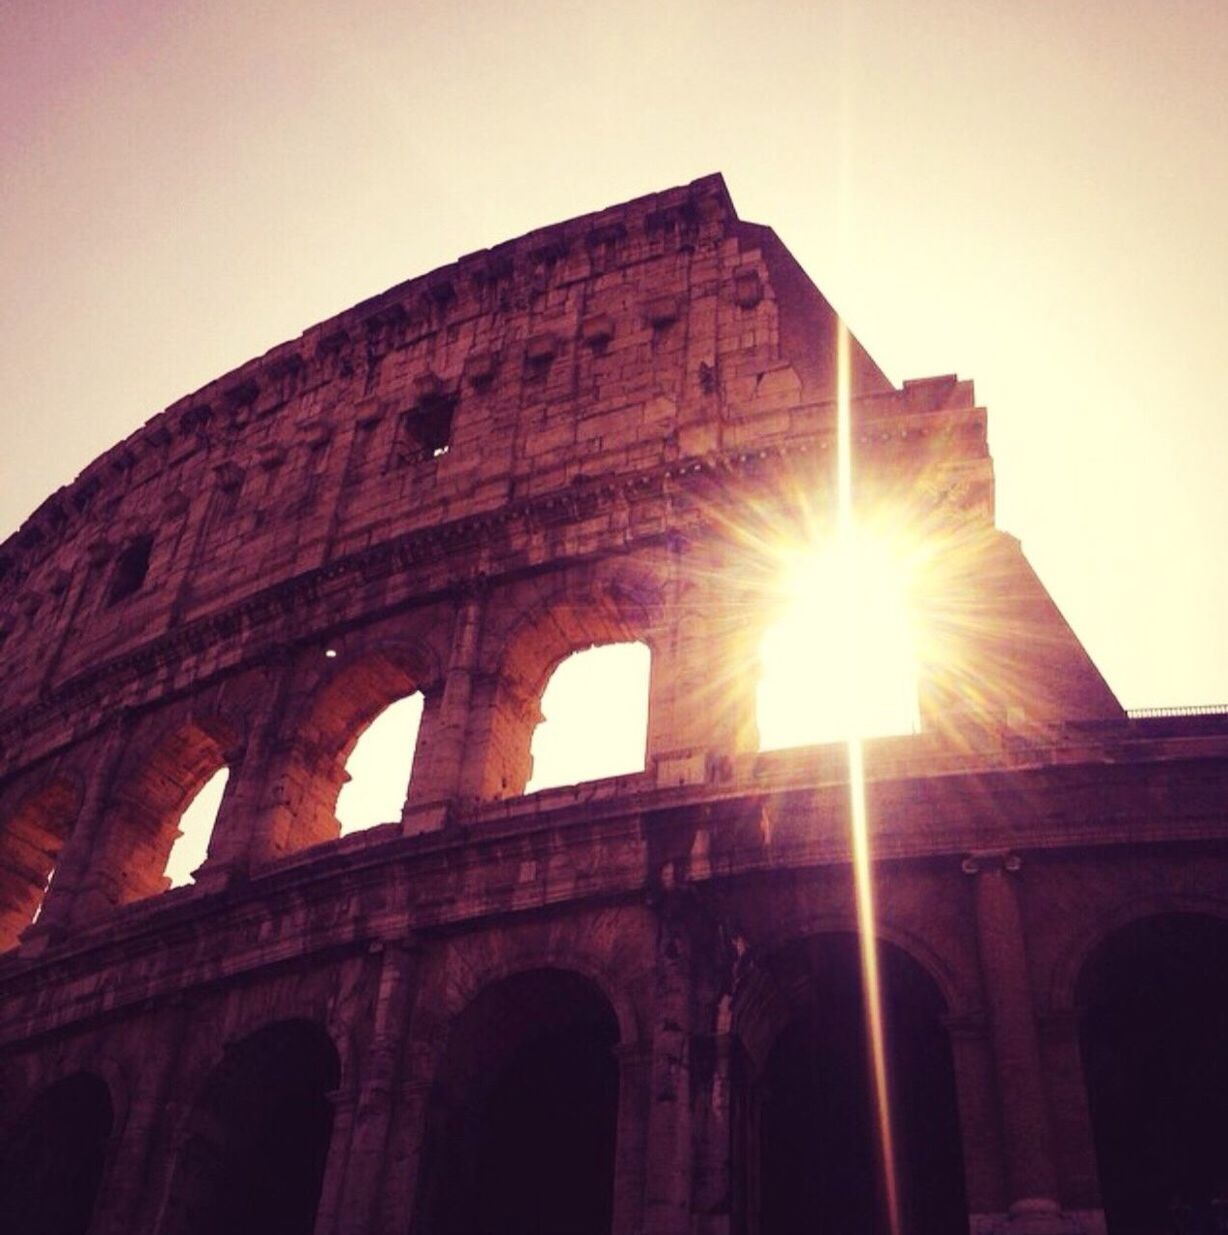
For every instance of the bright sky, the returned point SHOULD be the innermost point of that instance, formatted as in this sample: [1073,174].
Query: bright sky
[1031,195]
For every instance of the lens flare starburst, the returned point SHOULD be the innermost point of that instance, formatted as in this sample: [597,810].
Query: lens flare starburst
[812,690]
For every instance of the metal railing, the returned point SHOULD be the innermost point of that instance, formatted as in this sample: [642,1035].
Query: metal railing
[1194,709]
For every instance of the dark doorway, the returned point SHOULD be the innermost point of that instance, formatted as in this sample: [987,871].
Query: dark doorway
[1154,1026]
[523,1119]
[815,1166]
[254,1160]
[51,1165]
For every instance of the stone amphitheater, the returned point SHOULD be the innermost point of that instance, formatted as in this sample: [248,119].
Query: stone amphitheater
[628,1005]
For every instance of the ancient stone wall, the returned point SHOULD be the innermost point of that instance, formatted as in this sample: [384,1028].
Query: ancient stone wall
[592,434]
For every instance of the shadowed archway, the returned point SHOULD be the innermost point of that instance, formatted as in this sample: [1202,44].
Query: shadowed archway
[51,1164]
[806,1139]
[523,1115]
[1154,1022]
[253,1159]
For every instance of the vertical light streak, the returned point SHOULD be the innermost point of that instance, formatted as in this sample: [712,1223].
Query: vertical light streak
[858,823]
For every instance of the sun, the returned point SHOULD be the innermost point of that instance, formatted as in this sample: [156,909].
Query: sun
[841,660]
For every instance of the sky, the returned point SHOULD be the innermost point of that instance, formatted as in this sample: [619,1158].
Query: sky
[1029,195]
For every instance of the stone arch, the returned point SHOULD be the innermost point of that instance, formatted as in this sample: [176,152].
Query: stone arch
[110,1068]
[1152,1001]
[52,1160]
[348,694]
[802,1096]
[1082,947]
[622,603]
[150,796]
[523,1110]
[252,1150]
[31,838]
[960,995]
[519,955]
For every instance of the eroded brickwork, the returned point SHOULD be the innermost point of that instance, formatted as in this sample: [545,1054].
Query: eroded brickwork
[580,437]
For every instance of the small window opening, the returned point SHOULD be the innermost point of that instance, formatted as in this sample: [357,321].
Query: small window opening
[595,717]
[131,567]
[428,429]
[379,766]
[191,846]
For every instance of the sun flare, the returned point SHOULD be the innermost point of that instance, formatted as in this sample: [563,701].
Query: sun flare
[817,685]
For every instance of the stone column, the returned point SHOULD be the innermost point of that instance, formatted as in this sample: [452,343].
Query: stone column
[238,840]
[1072,1128]
[634,1067]
[126,1192]
[701,712]
[332,1216]
[437,775]
[402,1165]
[714,1148]
[76,893]
[667,1172]
[1031,1179]
[980,1127]
[373,1116]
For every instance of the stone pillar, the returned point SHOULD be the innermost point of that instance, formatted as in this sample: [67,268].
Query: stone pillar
[402,1166]
[714,1141]
[437,774]
[332,1216]
[1031,1179]
[634,1067]
[972,1060]
[377,1084]
[667,1172]
[424,776]
[1072,1127]
[699,717]
[77,891]
[124,1203]
[238,840]
[283,774]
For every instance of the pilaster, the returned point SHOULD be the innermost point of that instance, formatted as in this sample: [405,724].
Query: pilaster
[667,1190]
[1031,1180]
[372,1117]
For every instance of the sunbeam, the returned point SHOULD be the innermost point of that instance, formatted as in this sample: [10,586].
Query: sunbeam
[847,555]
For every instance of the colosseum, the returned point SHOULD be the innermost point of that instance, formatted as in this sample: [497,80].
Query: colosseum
[633,1004]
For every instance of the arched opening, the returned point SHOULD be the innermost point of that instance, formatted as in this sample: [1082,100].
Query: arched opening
[152,810]
[378,769]
[1154,1021]
[30,844]
[594,717]
[253,1161]
[355,755]
[840,660]
[523,1114]
[586,616]
[51,1164]
[195,828]
[807,1120]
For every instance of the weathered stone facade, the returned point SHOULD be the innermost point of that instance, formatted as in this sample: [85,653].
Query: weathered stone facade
[595,1008]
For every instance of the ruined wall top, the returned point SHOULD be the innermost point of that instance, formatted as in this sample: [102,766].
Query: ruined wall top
[454,419]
